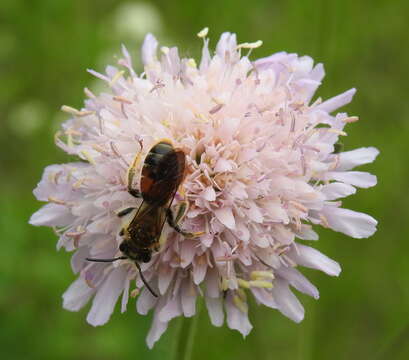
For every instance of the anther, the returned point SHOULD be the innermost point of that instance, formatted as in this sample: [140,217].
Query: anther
[215,109]
[73,234]
[298,206]
[116,77]
[261,284]
[337,131]
[191,63]
[256,275]
[165,50]
[350,119]
[202,33]
[243,283]
[253,45]
[122,99]
[242,294]
[56,201]
[89,93]
[75,112]
[88,157]
[240,304]
[224,285]
[324,221]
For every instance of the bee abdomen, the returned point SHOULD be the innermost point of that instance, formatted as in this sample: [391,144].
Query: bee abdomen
[155,156]
[162,173]
[161,148]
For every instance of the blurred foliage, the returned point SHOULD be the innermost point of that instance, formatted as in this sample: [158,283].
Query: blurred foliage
[45,47]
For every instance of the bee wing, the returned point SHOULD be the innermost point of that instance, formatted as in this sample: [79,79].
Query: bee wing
[152,214]
[160,180]
[145,212]
[178,178]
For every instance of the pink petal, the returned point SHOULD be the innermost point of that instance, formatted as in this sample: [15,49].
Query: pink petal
[227,43]
[307,88]
[215,311]
[212,289]
[352,223]
[207,240]
[78,259]
[94,274]
[287,302]
[228,128]
[187,252]
[312,258]
[317,73]
[171,309]
[204,62]
[188,299]
[149,47]
[239,191]
[337,101]
[157,329]
[145,302]
[225,216]
[223,165]
[307,233]
[242,231]
[264,297]
[125,295]
[276,61]
[236,319]
[199,270]
[298,281]
[165,276]
[349,159]
[337,190]
[77,295]
[52,215]
[254,212]
[355,178]
[106,297]
[276,212]
[208,194]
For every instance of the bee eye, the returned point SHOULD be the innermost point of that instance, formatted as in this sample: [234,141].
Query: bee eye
[123,247]
[146,257]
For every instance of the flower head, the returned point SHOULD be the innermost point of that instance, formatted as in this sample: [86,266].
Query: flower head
[263,167]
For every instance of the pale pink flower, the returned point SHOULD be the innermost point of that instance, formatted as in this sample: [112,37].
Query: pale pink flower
[262,172]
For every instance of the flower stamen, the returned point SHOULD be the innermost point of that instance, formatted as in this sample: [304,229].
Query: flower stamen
[202,33]
[240,304]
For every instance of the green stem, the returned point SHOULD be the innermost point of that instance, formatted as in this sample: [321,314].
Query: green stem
[187,334]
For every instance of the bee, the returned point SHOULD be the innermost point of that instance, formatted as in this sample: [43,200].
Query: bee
[163,171]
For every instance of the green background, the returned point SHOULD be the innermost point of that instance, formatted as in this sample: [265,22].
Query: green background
[45,47]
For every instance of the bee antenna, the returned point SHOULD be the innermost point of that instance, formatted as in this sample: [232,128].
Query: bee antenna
[144,280]
[107,260]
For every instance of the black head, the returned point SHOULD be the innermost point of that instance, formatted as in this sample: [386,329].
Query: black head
[135,253]
[143,234]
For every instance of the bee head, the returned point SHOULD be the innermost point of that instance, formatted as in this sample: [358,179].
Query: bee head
[135,253]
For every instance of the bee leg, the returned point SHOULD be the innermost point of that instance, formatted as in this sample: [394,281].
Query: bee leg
[131,174]
[182,209]
[135,193]
[125,211]
[171,221]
